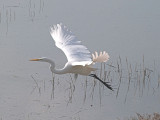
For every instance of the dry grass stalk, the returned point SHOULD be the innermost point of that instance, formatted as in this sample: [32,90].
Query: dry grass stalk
[155,116]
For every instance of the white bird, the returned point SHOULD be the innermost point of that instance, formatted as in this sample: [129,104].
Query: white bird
[80,60]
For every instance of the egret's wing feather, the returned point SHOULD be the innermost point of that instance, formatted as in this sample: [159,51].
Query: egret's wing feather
[68,43]
[102,57]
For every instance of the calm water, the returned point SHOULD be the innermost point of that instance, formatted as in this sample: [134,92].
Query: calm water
[127,30]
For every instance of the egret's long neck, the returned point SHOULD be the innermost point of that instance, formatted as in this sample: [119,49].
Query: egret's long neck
[53,69]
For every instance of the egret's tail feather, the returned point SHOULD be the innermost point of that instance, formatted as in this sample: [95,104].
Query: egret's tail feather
[102,57]
[104,83]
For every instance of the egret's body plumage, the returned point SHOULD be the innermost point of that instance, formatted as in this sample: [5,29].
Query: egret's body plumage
[80,60]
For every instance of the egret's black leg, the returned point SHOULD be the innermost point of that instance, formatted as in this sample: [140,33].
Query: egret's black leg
[104,83]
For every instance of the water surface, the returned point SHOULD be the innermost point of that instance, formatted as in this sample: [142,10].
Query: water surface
[127,30]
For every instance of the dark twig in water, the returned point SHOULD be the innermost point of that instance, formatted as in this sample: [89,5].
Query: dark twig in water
[119,70]
[37,86]
[52,95]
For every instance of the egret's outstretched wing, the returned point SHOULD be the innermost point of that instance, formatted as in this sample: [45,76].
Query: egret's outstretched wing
[68,43]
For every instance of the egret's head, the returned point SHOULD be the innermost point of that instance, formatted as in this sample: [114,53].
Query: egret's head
[44,59]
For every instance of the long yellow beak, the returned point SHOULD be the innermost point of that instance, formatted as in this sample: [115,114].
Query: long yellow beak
[34,60]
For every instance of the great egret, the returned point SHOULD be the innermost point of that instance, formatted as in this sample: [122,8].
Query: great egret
[79,58]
